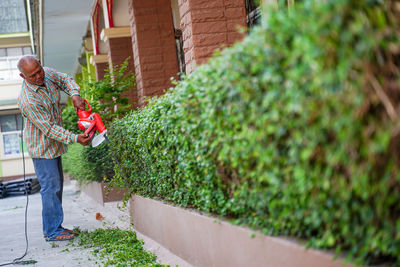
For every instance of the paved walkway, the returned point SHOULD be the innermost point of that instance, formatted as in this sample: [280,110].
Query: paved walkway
[79,211]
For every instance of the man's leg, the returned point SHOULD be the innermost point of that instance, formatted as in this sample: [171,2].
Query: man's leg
[60,169]
[48,174]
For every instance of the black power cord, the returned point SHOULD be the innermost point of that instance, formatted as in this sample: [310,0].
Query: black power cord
[19,260]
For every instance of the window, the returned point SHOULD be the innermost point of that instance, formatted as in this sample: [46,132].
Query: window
[13,16]
[11,142]
[8,61]
[15,51]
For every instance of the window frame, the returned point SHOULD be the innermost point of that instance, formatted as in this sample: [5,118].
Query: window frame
[12,73]
[18,132]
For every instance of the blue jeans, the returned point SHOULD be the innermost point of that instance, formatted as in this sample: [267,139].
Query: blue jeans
[51,179]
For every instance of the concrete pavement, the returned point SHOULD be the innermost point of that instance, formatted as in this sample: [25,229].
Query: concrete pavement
[79,211]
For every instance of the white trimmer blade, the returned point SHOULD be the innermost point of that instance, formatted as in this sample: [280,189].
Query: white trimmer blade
[98,139]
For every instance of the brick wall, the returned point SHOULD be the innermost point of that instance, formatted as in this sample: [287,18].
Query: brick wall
[100,70]
[208,25]
[119,49]
[153,45]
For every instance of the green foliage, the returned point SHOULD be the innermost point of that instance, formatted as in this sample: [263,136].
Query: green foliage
[87,164]
[115,247]
[109,96]
[282,133]
[70,119]
[72,161]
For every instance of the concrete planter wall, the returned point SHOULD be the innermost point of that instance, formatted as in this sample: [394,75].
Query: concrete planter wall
[98,192]
[205,241]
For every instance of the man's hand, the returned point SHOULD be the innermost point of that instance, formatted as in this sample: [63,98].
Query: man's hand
[84,139]
[78,102]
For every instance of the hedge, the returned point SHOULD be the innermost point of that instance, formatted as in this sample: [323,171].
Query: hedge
[70,119]
[286,131]
[87,164]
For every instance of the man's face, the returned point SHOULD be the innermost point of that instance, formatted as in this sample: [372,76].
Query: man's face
[33,73]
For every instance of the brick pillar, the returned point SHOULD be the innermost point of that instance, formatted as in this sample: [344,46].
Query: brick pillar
[153,43]
[119,49]
[207,25]
[100,63]
[100,70]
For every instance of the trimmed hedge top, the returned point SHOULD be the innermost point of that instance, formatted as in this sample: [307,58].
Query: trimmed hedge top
[284,131]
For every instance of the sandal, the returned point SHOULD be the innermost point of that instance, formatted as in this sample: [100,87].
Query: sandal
[60,237]
[66,231]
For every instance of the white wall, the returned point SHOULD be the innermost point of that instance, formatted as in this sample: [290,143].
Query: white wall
[121,13]
[13,167]
[175,14]
[10,89]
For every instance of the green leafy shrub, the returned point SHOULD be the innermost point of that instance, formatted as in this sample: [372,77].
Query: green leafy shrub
[70,119]
[88,164]
[108,98]
[72,162]
[285,132]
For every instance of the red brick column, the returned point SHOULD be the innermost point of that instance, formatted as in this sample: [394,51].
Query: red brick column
[100,70]
[207,25]
[119,49]
[100,63]
[153,45]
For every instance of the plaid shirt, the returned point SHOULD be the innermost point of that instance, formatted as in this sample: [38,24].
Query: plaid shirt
[40,106]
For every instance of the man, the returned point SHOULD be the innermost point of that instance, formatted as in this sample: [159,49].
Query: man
[45,138]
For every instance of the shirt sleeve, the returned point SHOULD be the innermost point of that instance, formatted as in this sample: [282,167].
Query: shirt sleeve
[38,115]
[64,82]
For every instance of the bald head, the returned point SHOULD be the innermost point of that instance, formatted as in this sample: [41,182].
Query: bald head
[27,60]
[31,69]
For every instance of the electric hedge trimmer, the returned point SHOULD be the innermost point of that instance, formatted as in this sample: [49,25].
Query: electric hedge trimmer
[90,123]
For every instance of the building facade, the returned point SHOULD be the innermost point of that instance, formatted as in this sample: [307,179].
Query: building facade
[15,41]
[162,39]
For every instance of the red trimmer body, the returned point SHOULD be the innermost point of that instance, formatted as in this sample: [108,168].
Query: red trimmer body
[90,123]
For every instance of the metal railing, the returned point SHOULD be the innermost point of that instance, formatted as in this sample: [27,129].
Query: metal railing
[179,52]
[253,13]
